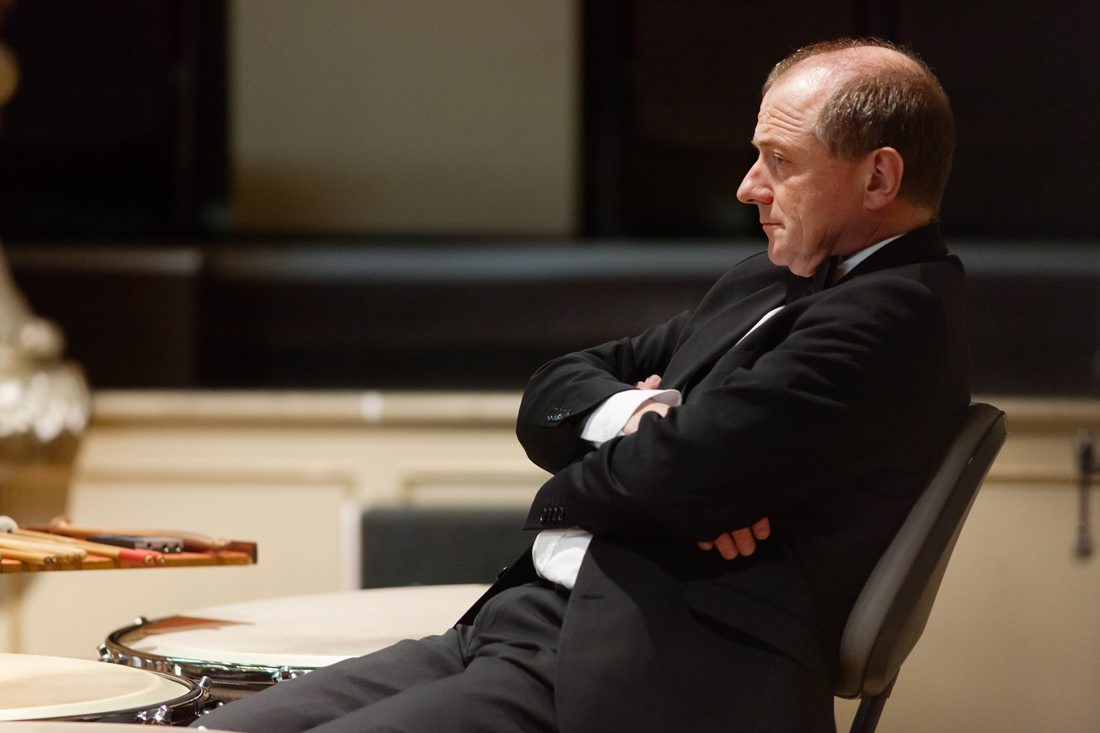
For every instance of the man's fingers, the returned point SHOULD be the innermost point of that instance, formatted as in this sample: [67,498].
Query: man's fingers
[726,547]
[743,538]
[740,542]
[653,381]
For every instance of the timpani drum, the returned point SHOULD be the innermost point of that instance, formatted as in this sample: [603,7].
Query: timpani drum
[62,689]
[245,647]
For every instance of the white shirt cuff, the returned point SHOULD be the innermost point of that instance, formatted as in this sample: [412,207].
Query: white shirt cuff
[558,553]
[607,421]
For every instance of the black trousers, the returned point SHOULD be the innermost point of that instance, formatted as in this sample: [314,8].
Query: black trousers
[497,674]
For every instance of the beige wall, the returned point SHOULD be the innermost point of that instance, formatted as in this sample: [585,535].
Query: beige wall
[1013,644]
[368,116]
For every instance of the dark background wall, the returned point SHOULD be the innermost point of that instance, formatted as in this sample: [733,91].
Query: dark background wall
[672,90]
[114,193]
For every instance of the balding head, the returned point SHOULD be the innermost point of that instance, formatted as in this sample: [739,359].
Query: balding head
[880,95]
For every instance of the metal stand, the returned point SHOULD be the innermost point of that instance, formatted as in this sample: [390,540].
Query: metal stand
[870,710]
[1086,467]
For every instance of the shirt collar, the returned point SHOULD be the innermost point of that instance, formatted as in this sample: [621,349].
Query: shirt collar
[846,265]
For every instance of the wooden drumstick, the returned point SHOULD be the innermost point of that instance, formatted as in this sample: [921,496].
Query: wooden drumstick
[60,552]
[35,557]
[65,554]
[48,543]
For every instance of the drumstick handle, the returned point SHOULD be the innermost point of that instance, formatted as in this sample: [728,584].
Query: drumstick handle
[28,556]
[45,537]
[64,553]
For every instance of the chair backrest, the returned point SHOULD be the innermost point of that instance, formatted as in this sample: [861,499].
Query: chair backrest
[890,613]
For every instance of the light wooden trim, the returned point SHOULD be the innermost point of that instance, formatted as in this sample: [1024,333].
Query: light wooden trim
[344,477]
[352,409]
[448,409]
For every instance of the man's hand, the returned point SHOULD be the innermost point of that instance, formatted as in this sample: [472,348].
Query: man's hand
[651,382]
[648,406]
[740,542]
[731,545]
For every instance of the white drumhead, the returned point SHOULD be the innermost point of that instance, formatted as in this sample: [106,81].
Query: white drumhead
[34,687]
[308,630]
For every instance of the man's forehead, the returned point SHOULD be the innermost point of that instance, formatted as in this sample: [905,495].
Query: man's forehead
[791,106]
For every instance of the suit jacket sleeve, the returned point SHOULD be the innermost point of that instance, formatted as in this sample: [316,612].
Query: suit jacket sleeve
[563,392]
[760,433]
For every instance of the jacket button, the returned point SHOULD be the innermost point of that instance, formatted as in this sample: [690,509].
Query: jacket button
[559,414]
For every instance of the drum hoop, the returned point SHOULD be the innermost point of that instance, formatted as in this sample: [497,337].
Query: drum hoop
[221,674]
[193,703]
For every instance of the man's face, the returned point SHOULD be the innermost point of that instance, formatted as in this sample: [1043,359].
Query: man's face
[810,202]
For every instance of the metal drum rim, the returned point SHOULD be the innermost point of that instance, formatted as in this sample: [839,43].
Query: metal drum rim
[193,701]
[220,673]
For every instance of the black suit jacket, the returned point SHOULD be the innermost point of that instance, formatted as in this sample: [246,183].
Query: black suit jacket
[826,419]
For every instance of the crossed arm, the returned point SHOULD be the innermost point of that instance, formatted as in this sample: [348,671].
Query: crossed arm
[730,545]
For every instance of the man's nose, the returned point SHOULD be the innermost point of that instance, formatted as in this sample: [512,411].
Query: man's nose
[753,189]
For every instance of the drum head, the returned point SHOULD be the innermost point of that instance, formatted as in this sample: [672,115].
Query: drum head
[40,688]
[300,632]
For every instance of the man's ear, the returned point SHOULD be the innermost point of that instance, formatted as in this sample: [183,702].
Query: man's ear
[885,169]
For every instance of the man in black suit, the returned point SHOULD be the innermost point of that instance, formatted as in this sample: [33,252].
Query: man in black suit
[803,402]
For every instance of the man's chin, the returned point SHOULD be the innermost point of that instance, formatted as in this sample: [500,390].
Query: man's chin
[776,253]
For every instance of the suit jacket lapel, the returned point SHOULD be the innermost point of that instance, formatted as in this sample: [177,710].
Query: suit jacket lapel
[715,336]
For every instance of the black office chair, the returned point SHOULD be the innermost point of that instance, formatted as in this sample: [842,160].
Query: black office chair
[891,611]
